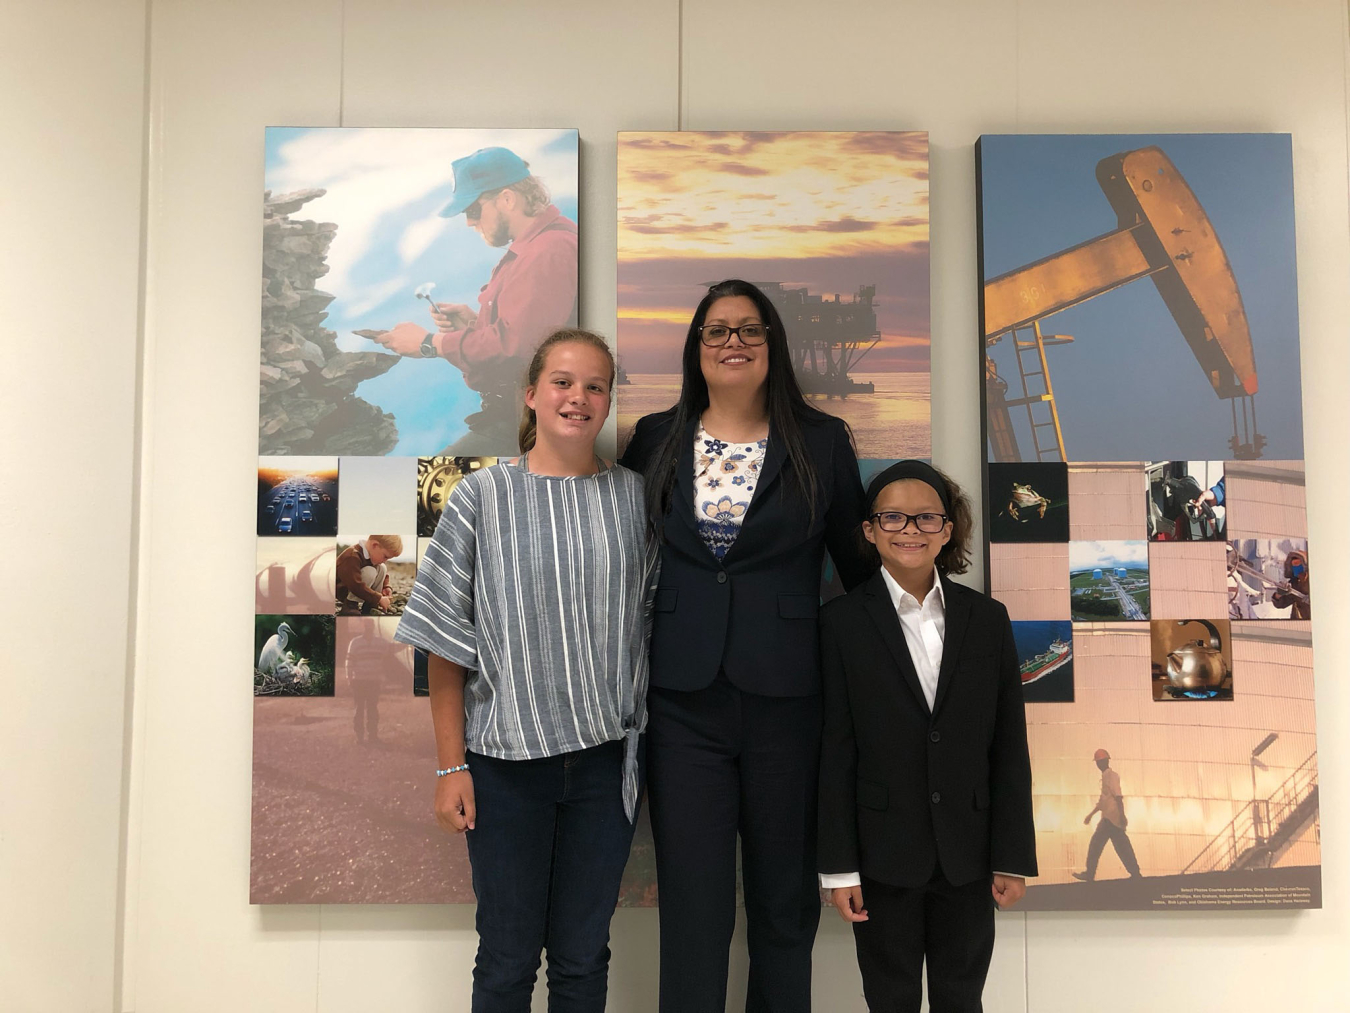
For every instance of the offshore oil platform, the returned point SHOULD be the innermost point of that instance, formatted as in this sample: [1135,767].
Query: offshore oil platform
[827,336]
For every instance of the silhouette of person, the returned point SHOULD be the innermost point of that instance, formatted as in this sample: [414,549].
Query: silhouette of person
[370,659]
[1111,827]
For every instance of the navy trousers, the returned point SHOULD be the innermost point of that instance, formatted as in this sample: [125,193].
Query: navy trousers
[548,852]
[724,763]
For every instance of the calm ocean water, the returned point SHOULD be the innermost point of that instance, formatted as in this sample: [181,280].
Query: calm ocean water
[893,422]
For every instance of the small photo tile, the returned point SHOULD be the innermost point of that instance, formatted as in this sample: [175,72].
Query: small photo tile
[1192,659]
[1269,578]
[436,479]
[297,496]
[374,574]
[1028,502]
[1108,581]
[1045,657]
[1186,501]
[293,655]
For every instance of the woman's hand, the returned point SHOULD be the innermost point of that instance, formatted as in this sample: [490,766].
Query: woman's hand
[849,903]
[455,810]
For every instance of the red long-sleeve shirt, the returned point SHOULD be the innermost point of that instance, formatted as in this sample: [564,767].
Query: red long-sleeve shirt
[532,291]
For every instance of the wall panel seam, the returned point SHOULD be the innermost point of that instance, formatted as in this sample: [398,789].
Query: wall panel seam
[121,947]
[679,64]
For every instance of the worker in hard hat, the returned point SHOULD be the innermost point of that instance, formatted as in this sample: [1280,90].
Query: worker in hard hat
[1111,827]
[1293,593]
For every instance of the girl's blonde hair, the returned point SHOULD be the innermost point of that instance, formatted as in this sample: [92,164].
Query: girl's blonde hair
[529,422]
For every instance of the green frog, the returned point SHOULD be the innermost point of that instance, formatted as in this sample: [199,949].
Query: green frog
[1024,499]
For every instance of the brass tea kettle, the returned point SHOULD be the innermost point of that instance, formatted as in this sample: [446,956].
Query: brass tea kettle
[1197,665]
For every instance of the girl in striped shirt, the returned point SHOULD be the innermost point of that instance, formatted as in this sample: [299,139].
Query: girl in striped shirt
[533,603]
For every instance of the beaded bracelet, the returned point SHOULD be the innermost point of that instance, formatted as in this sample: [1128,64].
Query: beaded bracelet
[452,770]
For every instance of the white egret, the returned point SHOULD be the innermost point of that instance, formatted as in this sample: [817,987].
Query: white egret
[273,650]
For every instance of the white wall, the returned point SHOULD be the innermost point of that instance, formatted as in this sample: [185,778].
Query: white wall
[218,74]
[71,115]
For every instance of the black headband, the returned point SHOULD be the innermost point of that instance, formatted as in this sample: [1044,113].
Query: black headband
[902,470]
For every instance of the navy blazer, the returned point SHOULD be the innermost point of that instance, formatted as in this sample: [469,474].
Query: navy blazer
[754,613]
[903,788]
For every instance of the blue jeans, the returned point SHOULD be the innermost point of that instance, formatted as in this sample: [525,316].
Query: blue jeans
[548,851]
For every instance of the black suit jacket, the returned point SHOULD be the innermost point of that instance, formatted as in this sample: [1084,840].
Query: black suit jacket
[902,788]
[754,613]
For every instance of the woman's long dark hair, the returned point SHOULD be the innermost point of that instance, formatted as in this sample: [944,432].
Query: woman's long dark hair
[787,405]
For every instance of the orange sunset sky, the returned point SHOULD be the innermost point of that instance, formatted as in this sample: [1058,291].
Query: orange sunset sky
[828,211]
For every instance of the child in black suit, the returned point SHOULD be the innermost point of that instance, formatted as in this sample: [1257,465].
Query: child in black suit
[925,780]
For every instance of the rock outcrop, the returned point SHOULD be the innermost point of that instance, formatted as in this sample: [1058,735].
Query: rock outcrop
[307,402]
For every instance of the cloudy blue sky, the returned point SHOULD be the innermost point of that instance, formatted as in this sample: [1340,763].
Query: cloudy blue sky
[1090,555]
[385,189]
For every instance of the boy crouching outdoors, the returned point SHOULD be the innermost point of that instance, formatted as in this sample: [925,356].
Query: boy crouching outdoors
[363,575]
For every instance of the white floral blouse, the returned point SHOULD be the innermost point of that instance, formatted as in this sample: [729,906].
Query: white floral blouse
[725,476]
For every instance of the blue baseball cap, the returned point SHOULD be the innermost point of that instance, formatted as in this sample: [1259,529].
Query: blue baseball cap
[486,169]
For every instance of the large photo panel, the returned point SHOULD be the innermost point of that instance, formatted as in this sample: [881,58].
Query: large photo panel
[1139,327]
[407,278]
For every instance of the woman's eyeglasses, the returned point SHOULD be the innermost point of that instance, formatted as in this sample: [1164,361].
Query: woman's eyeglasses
[714,335]
[894,520]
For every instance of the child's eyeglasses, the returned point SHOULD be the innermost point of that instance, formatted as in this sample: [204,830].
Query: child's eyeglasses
[894,520]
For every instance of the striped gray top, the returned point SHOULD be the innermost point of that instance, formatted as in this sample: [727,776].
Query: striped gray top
[541,586]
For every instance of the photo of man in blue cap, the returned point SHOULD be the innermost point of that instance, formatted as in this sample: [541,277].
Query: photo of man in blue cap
[532,291]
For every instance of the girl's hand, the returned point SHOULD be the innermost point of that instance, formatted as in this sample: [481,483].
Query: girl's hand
[848,900]
[455,810]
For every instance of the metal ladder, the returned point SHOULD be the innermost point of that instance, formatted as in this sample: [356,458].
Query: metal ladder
[1038,344]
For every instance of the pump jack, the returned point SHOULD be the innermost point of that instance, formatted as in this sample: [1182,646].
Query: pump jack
[1163,234]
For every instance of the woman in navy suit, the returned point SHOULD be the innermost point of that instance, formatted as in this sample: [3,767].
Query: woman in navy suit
[747,484]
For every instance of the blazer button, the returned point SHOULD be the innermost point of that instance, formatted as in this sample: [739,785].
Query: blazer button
[937,797]
[934,736]
[721,576]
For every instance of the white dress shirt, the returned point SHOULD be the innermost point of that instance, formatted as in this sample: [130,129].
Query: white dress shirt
[924,625]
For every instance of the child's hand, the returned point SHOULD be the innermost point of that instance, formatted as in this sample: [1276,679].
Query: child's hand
[1008,890]
[455,807]
[849,902]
